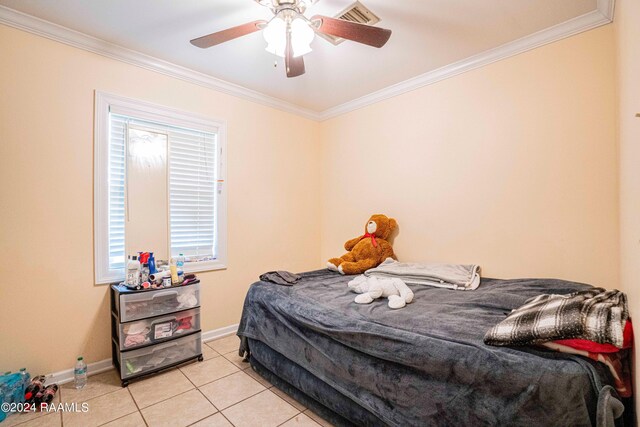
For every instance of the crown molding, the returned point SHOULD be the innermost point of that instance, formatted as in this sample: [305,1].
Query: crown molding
[40,27]
[602,16]
[607,7]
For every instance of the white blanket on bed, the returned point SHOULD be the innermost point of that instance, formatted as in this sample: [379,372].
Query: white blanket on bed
[452,276]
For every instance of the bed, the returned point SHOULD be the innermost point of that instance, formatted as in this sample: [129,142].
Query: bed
[425,364]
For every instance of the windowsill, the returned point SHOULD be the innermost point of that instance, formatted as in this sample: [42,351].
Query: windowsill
[109,279]
[200,267]
[191,267]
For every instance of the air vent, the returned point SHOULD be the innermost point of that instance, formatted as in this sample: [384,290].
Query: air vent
[357,12]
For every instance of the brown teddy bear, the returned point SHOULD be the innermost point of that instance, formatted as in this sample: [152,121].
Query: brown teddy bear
[366,251]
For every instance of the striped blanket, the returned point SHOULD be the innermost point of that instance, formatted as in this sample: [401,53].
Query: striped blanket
[595,314]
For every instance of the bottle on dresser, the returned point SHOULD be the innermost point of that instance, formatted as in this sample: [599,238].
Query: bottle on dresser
[133,271]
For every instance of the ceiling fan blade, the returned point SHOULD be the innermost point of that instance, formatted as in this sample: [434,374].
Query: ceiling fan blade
[228,34]
[361,33]
[294,66]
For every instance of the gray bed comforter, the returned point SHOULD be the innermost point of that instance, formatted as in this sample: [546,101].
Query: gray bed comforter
[427,364]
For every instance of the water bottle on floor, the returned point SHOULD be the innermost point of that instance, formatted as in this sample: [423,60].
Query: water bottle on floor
[80,373]
[5,395]
[21,385]
[26,379]
[3,398]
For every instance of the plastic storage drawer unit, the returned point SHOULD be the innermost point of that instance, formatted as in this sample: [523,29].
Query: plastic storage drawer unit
[154,358]
[154,329]
[144,304]
[144,332]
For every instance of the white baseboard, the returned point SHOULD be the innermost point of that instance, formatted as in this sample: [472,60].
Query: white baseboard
[219,333]
[66,376]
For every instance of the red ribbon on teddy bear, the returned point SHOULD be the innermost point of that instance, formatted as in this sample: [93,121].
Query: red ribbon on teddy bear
[373,239]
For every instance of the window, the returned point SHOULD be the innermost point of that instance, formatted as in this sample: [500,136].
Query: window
[159,186]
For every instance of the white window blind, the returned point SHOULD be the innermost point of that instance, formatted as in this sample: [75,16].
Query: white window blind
[116,183]
[193,177]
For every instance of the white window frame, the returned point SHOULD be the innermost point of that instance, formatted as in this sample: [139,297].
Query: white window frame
[106,103]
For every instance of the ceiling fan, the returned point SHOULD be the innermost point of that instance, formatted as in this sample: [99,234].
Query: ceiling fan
[289,33]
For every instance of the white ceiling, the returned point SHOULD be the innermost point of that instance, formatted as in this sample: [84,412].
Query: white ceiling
[427,34]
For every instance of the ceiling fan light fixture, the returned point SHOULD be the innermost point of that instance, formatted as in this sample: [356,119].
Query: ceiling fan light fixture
[301,37]
[275,34]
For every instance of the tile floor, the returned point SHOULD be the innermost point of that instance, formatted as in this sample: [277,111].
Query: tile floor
[221,391]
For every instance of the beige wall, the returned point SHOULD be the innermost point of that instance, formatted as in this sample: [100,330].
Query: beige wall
[51,311]
[512,166]
[627,27]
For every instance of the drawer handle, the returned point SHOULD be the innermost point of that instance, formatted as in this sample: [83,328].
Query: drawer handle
[163,294]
